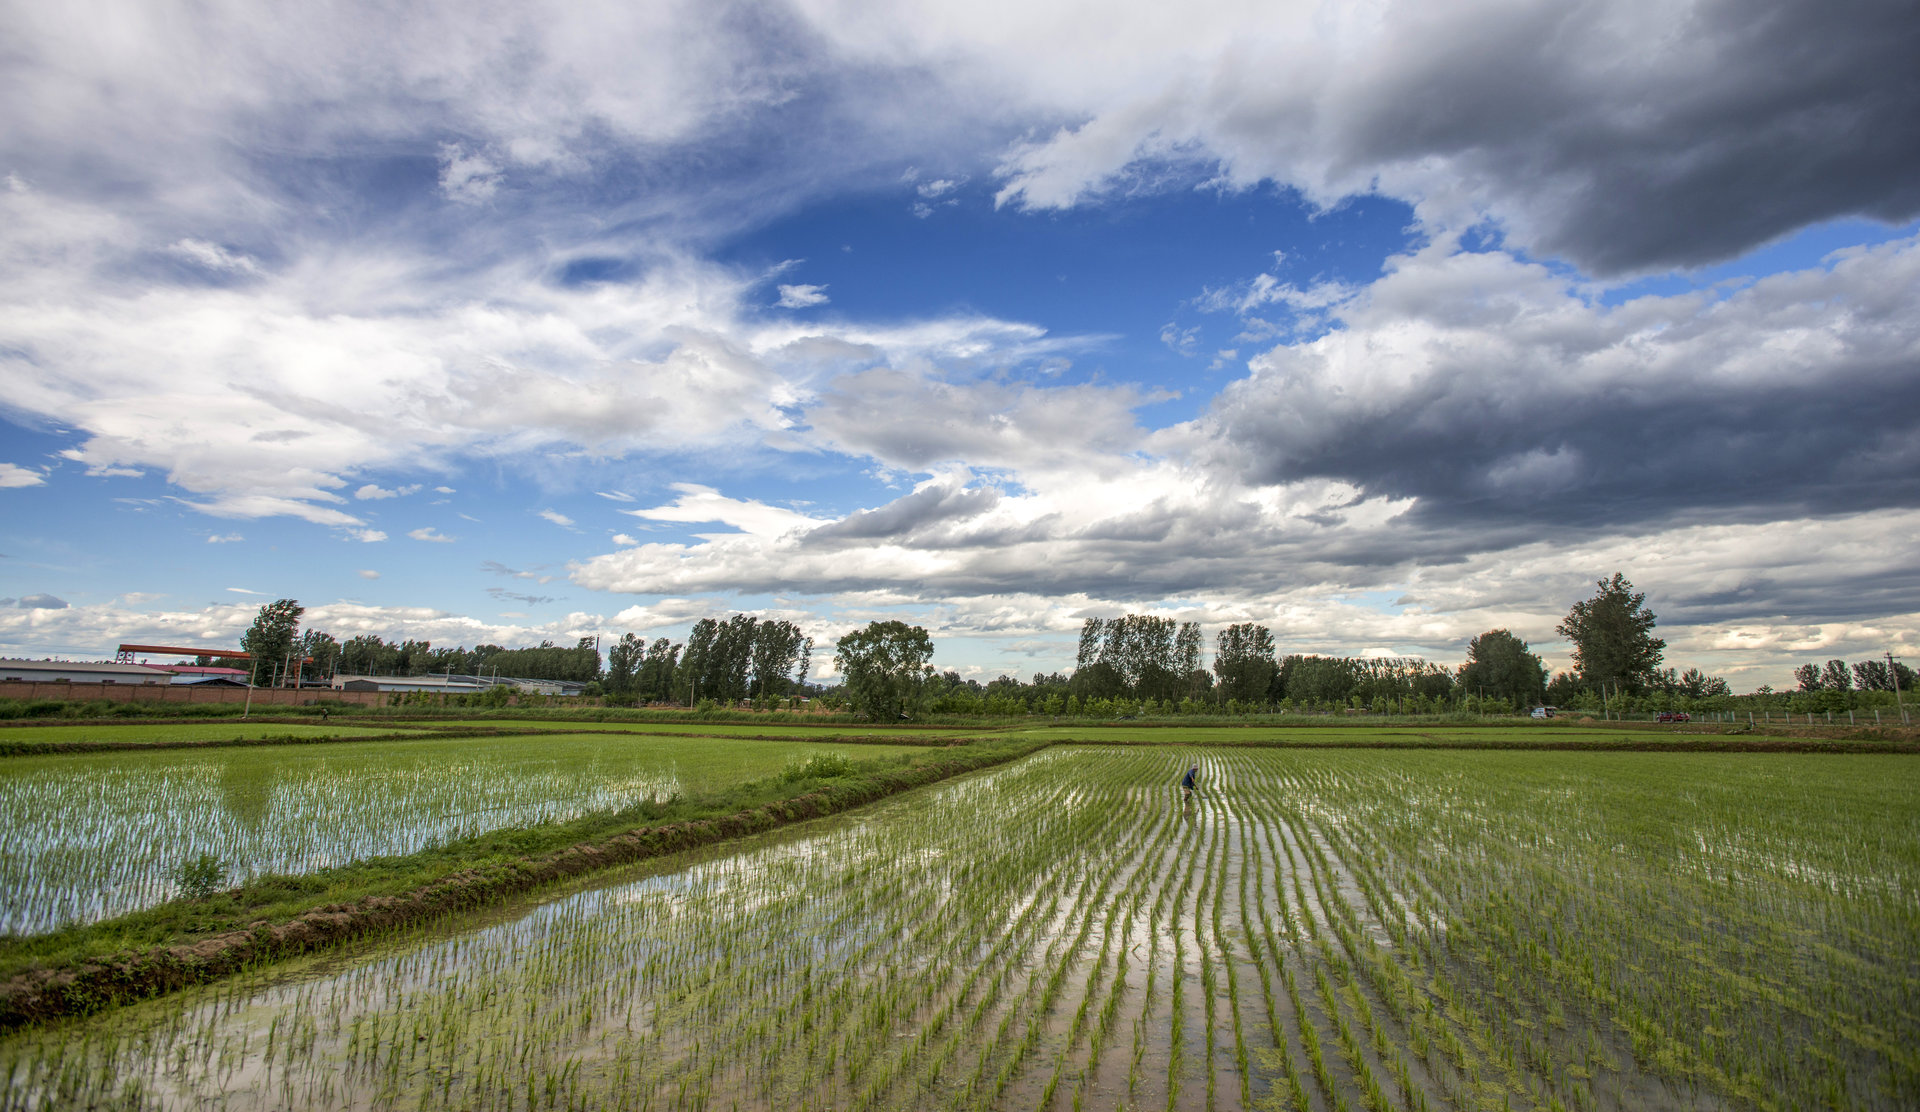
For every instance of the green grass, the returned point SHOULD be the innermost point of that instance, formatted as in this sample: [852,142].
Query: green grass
[87,836]
[190,731]
[1374,929]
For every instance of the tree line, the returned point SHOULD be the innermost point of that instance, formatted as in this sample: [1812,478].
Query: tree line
[1132,664]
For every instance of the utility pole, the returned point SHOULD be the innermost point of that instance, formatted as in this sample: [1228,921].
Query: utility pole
[1893,677]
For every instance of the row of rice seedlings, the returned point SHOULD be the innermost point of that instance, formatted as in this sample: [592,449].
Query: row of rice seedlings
[1522,942]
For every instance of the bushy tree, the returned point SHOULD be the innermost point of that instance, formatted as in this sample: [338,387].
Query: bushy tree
[1612,635]
[322,653]
[1501,665]
[1243,659]
[654,682]
[271,639]
[1148,657]
[1874,675]
[885,668]
[623,663]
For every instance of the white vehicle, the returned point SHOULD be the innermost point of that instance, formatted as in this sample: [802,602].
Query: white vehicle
[1544,712]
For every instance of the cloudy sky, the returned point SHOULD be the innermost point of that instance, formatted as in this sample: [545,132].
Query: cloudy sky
[1383,324]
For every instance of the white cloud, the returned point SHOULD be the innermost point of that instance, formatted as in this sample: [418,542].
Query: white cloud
[557,518]
[802,297]
[467,178]
[372,492]
[244,591]
[428,533]
[224,538]
[1182,341]
[615,495]
[367,536]
[13,475]
[624,539]
[212,256]
[445,490]
[368,573]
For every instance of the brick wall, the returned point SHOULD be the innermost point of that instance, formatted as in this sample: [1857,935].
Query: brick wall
[189,693]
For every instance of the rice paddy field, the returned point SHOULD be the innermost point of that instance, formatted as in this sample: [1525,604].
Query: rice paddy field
[704,729]
[1319,930]
[87,836]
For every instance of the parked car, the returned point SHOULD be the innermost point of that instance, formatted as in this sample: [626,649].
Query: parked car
[1673,716]
[1544,712]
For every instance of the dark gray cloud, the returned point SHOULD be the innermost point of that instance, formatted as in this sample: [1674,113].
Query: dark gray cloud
[1624,138]
[504,595]
[1624,150]
[932,504]
[1799,396]
[35,602]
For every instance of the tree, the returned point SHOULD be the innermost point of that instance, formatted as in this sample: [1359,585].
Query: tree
[655,679]
[623,663]
[1695,684]
[1612,635]
[270,641]
[1873,675]
[1138,655]
[1808,677]
[774,654]
[1837,676]
[1243,659]
[322,653]
[885,668]
[1501,665]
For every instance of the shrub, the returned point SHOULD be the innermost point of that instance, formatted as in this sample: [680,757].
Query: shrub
[200,877]
[820,766]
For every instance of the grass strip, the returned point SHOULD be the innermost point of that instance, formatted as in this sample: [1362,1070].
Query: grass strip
[85,969]
[46,748]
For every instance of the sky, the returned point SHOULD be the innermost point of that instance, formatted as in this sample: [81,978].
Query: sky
[1381,324]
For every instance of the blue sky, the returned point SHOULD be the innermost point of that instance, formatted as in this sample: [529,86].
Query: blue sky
[504,322]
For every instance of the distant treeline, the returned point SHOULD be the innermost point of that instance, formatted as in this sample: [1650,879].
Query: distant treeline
[370,655]
[1136,663]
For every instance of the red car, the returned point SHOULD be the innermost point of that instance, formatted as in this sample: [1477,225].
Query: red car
[1674,716]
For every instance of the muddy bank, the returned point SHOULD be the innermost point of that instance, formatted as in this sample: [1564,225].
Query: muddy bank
[90,986]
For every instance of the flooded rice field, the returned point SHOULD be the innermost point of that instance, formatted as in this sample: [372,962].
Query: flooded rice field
[88,836]
[1316,931]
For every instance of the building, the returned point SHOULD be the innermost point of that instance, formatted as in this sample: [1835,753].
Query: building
[438,685]
[456,685]
[203,676]
[76,671]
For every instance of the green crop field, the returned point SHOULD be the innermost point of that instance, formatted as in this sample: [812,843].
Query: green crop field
[88,836]
[214,730]
[1321,929]
[704,729]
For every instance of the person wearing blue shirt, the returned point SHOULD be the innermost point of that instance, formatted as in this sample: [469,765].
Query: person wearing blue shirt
[1189,781]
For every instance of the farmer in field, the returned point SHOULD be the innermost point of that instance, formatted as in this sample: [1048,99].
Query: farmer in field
[1189,782]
